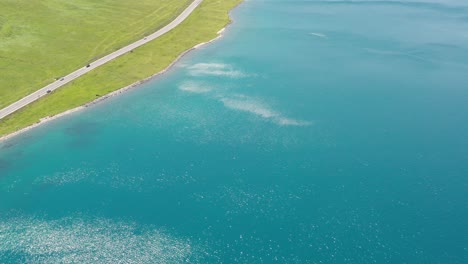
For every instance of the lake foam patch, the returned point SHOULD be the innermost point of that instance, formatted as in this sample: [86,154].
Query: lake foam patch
[392,53]
[68,177]
[260,109]
[193,87]
[319,35]
[71,240]
[215,69]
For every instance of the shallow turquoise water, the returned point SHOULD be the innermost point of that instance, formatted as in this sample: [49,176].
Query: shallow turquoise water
[313,132]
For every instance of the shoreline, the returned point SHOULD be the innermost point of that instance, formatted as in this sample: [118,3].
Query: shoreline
[120,90]
[62,81]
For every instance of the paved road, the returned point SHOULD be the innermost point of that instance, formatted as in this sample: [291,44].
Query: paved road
[70,77]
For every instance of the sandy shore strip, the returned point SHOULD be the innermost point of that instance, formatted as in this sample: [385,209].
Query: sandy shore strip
[114,93]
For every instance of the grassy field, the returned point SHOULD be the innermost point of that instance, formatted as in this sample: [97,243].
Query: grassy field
[41,40]
[201,26]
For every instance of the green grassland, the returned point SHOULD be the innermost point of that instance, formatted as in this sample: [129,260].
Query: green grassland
[41,40]
[200,26]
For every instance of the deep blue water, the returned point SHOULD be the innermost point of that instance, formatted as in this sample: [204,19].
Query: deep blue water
[313,132]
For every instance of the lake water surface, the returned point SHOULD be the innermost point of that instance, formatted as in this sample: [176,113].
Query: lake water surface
[313,132]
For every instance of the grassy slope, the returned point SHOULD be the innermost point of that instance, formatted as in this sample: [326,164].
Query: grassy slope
[43,39]
[201,26]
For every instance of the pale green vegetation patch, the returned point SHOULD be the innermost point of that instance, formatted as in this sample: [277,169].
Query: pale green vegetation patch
[41,40]
[200,26]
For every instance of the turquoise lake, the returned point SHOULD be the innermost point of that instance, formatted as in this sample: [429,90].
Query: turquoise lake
[312,132]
